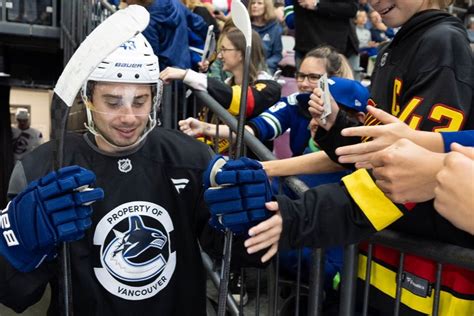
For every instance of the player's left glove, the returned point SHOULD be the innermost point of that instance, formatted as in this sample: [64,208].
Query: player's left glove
[236,192]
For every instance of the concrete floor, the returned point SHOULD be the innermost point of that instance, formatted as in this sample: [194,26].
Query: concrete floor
[38,309]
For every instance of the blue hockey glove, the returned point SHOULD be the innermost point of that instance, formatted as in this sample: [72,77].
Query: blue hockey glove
[236,192]
[50,210]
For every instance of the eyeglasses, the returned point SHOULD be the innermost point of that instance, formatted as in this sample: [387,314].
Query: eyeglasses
[223,50]
[312,78]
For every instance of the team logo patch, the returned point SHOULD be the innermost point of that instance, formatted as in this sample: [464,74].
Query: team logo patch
[136,259]
[260,86]
[180,184]
[124,165]
[383,60]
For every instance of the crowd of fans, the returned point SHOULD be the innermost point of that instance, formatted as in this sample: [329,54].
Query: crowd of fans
[340,40]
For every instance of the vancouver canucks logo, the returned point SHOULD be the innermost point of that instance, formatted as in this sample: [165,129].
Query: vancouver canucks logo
[137,260]
[121,255]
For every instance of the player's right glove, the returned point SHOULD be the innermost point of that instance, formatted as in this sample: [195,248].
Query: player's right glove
[236,192]
[50,210]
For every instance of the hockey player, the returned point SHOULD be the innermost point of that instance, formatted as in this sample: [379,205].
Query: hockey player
[138,252]
[25,137]
[420,80]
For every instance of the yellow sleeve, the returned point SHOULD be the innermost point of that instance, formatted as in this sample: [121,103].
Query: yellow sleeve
[380,211]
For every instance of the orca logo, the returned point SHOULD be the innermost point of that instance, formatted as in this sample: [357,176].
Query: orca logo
[119,255]
[136,257]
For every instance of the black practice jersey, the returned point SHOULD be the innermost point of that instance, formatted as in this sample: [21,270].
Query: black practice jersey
[141,255]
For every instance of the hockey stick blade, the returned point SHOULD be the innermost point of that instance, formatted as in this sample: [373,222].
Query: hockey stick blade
[103,40]
[241,19]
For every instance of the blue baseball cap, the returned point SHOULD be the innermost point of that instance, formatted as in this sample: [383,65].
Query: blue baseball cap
[348,93]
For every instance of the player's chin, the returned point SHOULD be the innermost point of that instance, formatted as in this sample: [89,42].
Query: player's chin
[121,141]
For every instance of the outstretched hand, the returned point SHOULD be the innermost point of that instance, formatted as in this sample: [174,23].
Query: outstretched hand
[454,192]
[266,234]
[171,73]
[192,127]
[203,66]
[383,136]
[406,172]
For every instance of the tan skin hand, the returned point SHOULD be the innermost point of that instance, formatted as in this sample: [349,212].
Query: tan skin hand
[406,172]
[266,234]
[192,127]
[203,66]
[171,73]
[383,136]
[308,4]
[316,108]
[454,192]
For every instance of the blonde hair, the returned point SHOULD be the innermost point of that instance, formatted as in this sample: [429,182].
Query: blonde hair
[336,63]
[269,11]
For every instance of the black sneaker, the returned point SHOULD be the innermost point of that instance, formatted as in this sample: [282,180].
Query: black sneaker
[236,286]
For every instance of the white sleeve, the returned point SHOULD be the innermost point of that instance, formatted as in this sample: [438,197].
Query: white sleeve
[195,80]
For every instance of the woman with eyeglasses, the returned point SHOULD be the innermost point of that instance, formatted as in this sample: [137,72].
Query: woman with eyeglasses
[262,92]
[288,113]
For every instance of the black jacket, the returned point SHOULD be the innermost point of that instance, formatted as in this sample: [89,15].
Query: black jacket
[331,23]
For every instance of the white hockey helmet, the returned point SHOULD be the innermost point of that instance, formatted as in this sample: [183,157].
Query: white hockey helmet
[22,114]
[133,62]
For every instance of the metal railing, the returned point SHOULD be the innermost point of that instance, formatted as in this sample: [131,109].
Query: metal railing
[78,19]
